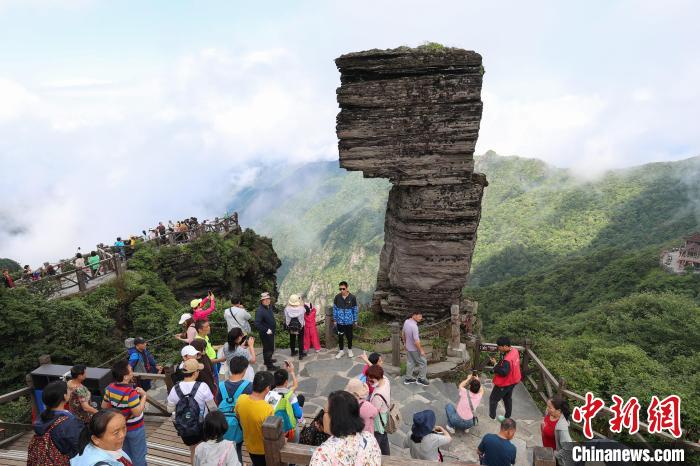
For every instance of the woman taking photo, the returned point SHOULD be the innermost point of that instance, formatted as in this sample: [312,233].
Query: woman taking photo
[79,395]
[101,443]
[426,438]
[57,432]
[348,444]
[555,429]
[238,344]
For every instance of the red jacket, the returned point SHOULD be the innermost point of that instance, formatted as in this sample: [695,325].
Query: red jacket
[513,377]
[200,313]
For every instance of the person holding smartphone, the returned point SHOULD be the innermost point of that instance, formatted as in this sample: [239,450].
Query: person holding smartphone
[426,438]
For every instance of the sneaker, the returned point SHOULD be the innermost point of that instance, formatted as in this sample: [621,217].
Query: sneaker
[500,419]
[339,355]
[350,355]
[423,382]
[409,381]
[449,429]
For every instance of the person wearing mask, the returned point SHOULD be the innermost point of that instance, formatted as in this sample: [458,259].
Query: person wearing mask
[294,318]
[237,316]
[311,339]
[367,410]
[381,399]
[371,360]
[56,432]
[9,282]
[214,449]
[206,375]
[415,354]
[497,449]
[200,311]
[188,329]
[345,314]
[266,325]
[229,392]
[252,410]
[349,444]
[463,416]
[142,361]
[79,396]
[506,377]
[426,438]
[238,344]
[101,442]
[201,393]
[131,402]
[555,430]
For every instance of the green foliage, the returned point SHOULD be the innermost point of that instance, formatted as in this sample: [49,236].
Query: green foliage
[431,47]
[9,264]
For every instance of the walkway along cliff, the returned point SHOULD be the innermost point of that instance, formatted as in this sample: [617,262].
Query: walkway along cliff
[412,116]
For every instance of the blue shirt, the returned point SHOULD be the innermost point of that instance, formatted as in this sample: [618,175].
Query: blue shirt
[497,451]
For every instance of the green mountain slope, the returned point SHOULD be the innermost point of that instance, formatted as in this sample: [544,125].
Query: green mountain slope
[327,224]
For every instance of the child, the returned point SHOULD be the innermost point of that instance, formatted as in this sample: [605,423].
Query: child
[214,450]
[286,403]
[371,360]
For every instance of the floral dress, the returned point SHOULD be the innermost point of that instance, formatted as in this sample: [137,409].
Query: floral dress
[353,450]
[77,397]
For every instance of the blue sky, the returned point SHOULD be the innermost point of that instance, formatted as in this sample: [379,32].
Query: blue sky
[115,115]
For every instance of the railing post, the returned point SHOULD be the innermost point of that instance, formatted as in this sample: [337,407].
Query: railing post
[561,387]
[543,456]
[80,275]
[274,440]
[454,322]
[395,344]
[524,369]
[32,396]
[44,359]
[116,263]
[168,371]
[477,353]
[330,335]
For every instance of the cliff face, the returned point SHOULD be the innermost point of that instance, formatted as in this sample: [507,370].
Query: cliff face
[412,116]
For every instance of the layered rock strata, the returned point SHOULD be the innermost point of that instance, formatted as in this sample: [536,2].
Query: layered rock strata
[412,116]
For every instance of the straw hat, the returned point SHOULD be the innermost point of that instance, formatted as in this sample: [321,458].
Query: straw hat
[294,300]
[358,388]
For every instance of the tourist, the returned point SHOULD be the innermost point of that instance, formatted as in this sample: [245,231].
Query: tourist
[237,316]
[214,449]
[178,404]
[161,229]
[9,282]
[198,307]
[313,433]
[94,263]
[101,442]
[367,410]
[463,417]
[203,328]
[555,429]
[206,375]
[188,329]
[50,269]
[229,392]
[187,352]
[294,313]
[143,362]
[349,444]
[415,354]
[371,360]
[119,246]
[311,339]
[131,401]
[252,410]
[266,325]
[496,449]
[80,267]
[56,428]
[238,344]
[426,438]
[27,273]
[79,396]
[506,377]
[285,402]
[381,399]
[345,317]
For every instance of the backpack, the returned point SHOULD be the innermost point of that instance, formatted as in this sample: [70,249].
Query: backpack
[284,411]
[187,413]
[294,326]
[43,451]
[234,432]
[393,418]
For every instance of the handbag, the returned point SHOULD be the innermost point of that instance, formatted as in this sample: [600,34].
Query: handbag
[471,406]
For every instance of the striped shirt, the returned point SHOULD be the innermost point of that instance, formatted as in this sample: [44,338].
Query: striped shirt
[124,398]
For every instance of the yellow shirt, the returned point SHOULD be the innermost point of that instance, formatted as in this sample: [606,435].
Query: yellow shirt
[251,415]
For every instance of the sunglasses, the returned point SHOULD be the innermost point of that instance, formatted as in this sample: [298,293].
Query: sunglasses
[342,289]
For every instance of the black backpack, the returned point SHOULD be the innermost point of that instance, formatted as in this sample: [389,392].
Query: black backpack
[187,413]
[294,326]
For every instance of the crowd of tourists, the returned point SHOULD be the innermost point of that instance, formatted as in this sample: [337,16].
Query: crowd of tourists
[352,428]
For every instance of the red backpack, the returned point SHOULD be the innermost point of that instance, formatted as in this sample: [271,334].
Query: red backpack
[43,451]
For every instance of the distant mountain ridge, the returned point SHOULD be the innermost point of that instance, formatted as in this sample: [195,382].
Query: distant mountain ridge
[327,224]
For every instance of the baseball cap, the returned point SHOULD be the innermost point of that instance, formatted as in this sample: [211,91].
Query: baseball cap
[189,350]
[184,317]
[139,340]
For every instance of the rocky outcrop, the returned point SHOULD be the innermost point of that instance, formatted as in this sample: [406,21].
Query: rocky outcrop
[412,116]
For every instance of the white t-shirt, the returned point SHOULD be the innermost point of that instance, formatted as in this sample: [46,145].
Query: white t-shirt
[201,397]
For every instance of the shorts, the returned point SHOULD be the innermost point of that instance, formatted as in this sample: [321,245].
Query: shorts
[191,440]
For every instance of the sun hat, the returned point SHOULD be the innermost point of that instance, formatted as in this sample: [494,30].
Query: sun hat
[195,302]
[189,350]
[357,388]
[294,300]
[265,296]
[423,423]
[191,366]
[184,317]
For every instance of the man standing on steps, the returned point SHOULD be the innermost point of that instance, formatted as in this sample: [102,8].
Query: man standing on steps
[266,325]
[496,449]
[415,354]
[506,377]
[344,316]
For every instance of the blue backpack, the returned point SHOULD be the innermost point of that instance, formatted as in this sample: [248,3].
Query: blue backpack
[227,406]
